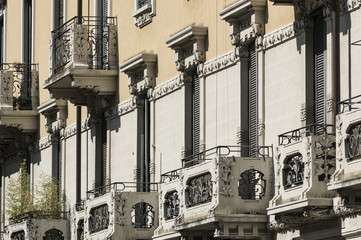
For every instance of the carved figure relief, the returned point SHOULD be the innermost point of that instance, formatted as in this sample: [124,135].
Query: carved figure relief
[293,171]
[80,230]
[99,218]
[120,209]
[226,165]
[353,142]
[171,205]
[19,235]
[199,190]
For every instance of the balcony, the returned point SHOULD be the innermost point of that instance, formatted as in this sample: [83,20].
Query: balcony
[217,193]
[18,101]
[84,59]
[47,224]
[118,211]
[304,163]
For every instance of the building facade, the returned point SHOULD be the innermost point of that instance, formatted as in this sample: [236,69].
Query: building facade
[182,119]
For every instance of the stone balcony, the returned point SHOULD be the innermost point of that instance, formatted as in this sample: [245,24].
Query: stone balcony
[217,194]
[304,163]
[19,98]
[84,59]
[38,225]
[117,211]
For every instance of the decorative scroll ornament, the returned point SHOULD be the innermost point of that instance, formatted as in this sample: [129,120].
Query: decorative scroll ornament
[120,209]
[226,164]
[293,171]
[142,215]
[340,138]
[53,234]
[171,205]
[353,142]
[19,235]
[199,190]
[251,186]
[99,218]
[325,160]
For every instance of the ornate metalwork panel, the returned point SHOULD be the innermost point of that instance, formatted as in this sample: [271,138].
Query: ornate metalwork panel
[293,171]
[199,190]
[353,142]
[251,185]
[325,160]
[19,235]
[171,205]
[99,218]
[80,230]
[142,215]
[53,234]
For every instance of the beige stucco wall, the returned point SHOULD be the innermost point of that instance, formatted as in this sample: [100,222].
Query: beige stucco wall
[277,16]
[13,31]
[171,17]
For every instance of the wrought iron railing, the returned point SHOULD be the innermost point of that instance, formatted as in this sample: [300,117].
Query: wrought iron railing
[85,39]
[38,215]
[221,151]
[296,135]
[349,104]
[122,187]
[19,85]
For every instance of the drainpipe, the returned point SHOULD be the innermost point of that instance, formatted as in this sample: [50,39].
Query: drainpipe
[78,130]
[336,54]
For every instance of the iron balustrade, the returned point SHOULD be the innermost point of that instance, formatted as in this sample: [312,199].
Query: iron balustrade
[296,135]
[121,187]
[224,151]
[19,85]
[38,215]
[92,41]
[349,104]
[221,151]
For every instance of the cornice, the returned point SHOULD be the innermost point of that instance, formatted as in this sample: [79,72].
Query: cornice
[283,34]
[42,143]
[69,131]
[219,63]
[121,109]
[167,87]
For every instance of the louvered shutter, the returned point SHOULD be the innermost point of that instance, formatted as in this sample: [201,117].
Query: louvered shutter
[196,112]
[104,151]
[61,12]
[320,85]
[252,101]
[105,8]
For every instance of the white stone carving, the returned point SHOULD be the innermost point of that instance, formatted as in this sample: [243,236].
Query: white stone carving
[219,63]
[121,109]
[143,15]
[285,33]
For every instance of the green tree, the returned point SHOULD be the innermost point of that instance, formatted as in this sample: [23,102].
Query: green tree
[18,195]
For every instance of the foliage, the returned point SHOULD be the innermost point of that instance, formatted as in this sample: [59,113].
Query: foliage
[18,195]
[20,200]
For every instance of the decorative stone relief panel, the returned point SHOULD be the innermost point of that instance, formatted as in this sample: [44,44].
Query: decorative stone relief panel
[353,142]
[226,165]
[120,209]
[19,235]
[199,190]
[171,205]
[99,218]
[144,12]
[251,186]
[80,230]
[293,171]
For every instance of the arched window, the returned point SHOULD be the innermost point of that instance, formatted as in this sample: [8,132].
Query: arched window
[53,234]
[142,215]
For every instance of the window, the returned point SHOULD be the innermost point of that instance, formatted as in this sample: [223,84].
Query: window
[58,16]
[144,11]
[319,72]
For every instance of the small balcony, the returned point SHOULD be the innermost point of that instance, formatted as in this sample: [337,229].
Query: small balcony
[346,180]
[47,224]
[118,211]
[218,193]
[84,59]
[304,163]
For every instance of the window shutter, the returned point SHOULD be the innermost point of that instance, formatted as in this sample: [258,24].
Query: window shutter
[61,12]
[253,108]
[320,85]
[196,116]
[105,8]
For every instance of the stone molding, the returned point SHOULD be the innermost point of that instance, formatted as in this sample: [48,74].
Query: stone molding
[71,130]
[283,34]
[121,109]
[306,113]
[143,15]
[42,143]
[349,5]
[167,87]
[219,63]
